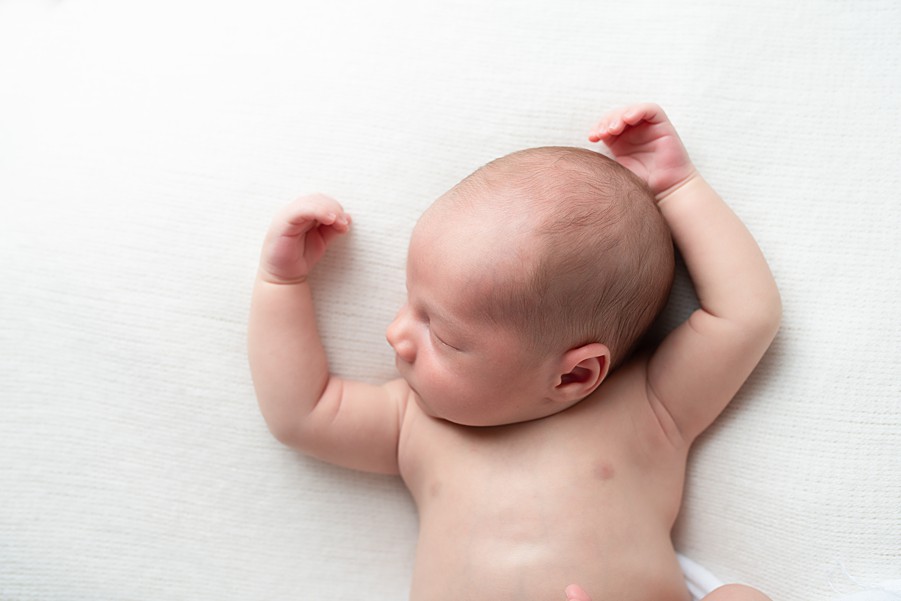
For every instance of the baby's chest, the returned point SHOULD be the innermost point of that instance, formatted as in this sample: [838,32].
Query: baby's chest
[495,507]
[529,470]
[583,497]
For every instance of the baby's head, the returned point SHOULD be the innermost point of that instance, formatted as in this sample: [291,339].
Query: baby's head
[559,251]
[591,259]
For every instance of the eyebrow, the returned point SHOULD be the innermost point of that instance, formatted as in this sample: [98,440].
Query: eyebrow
[435,312]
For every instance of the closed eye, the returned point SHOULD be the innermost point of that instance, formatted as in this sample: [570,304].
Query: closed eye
[442,342]
[423,317]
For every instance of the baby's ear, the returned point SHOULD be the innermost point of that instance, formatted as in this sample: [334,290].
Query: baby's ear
[581,371]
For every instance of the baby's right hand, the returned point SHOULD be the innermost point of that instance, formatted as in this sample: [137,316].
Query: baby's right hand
[298,237]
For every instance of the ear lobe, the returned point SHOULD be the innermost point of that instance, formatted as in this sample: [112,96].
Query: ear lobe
[581,371]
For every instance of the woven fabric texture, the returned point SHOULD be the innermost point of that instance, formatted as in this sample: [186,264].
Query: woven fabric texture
[144,148]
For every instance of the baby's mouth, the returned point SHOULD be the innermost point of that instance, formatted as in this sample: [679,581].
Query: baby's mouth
[403,368]
[400,361]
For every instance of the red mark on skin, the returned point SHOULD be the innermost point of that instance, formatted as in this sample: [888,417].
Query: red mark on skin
[602,470]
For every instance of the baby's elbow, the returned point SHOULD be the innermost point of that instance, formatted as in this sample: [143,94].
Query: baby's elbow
[282,431]
[774,311]
[765,319]
[284,424]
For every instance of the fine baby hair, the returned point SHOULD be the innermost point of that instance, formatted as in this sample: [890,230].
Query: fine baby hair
[593,258]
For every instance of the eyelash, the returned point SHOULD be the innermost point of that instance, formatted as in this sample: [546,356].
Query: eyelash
[427,322]
[435,336]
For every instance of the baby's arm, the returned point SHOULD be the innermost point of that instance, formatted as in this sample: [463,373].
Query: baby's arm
[348,423]
[700,366]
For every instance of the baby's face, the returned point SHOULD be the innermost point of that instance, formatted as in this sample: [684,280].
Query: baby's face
[464,367]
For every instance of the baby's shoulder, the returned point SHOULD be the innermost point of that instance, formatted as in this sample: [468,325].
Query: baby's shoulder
[624,390]
[622,409]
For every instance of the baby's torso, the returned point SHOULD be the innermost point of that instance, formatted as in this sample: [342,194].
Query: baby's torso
[516,513]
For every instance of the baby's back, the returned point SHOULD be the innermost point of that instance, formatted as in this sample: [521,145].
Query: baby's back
[587,496]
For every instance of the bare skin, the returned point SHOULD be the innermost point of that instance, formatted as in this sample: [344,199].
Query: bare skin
[530,473]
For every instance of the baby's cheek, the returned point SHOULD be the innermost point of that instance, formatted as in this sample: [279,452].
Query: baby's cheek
[449,396]
[430,382]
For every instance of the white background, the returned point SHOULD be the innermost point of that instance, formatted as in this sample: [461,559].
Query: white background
[145,146]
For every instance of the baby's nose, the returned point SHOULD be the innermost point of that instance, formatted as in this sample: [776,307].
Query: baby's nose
[398,336]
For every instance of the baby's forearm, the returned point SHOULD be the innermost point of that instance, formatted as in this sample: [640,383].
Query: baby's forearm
[728,269]
[287,360]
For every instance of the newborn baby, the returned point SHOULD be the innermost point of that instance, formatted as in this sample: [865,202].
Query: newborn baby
[541,448]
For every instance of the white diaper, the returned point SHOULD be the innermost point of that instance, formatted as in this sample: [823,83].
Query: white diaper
[699,580]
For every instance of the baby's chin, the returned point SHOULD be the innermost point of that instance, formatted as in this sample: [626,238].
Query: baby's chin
[426,408]
[467,421]
[429,409]
[460,418]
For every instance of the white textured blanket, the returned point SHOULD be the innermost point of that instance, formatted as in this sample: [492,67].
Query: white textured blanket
[145,146]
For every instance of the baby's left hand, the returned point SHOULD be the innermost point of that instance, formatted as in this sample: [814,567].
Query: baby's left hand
[644,141]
